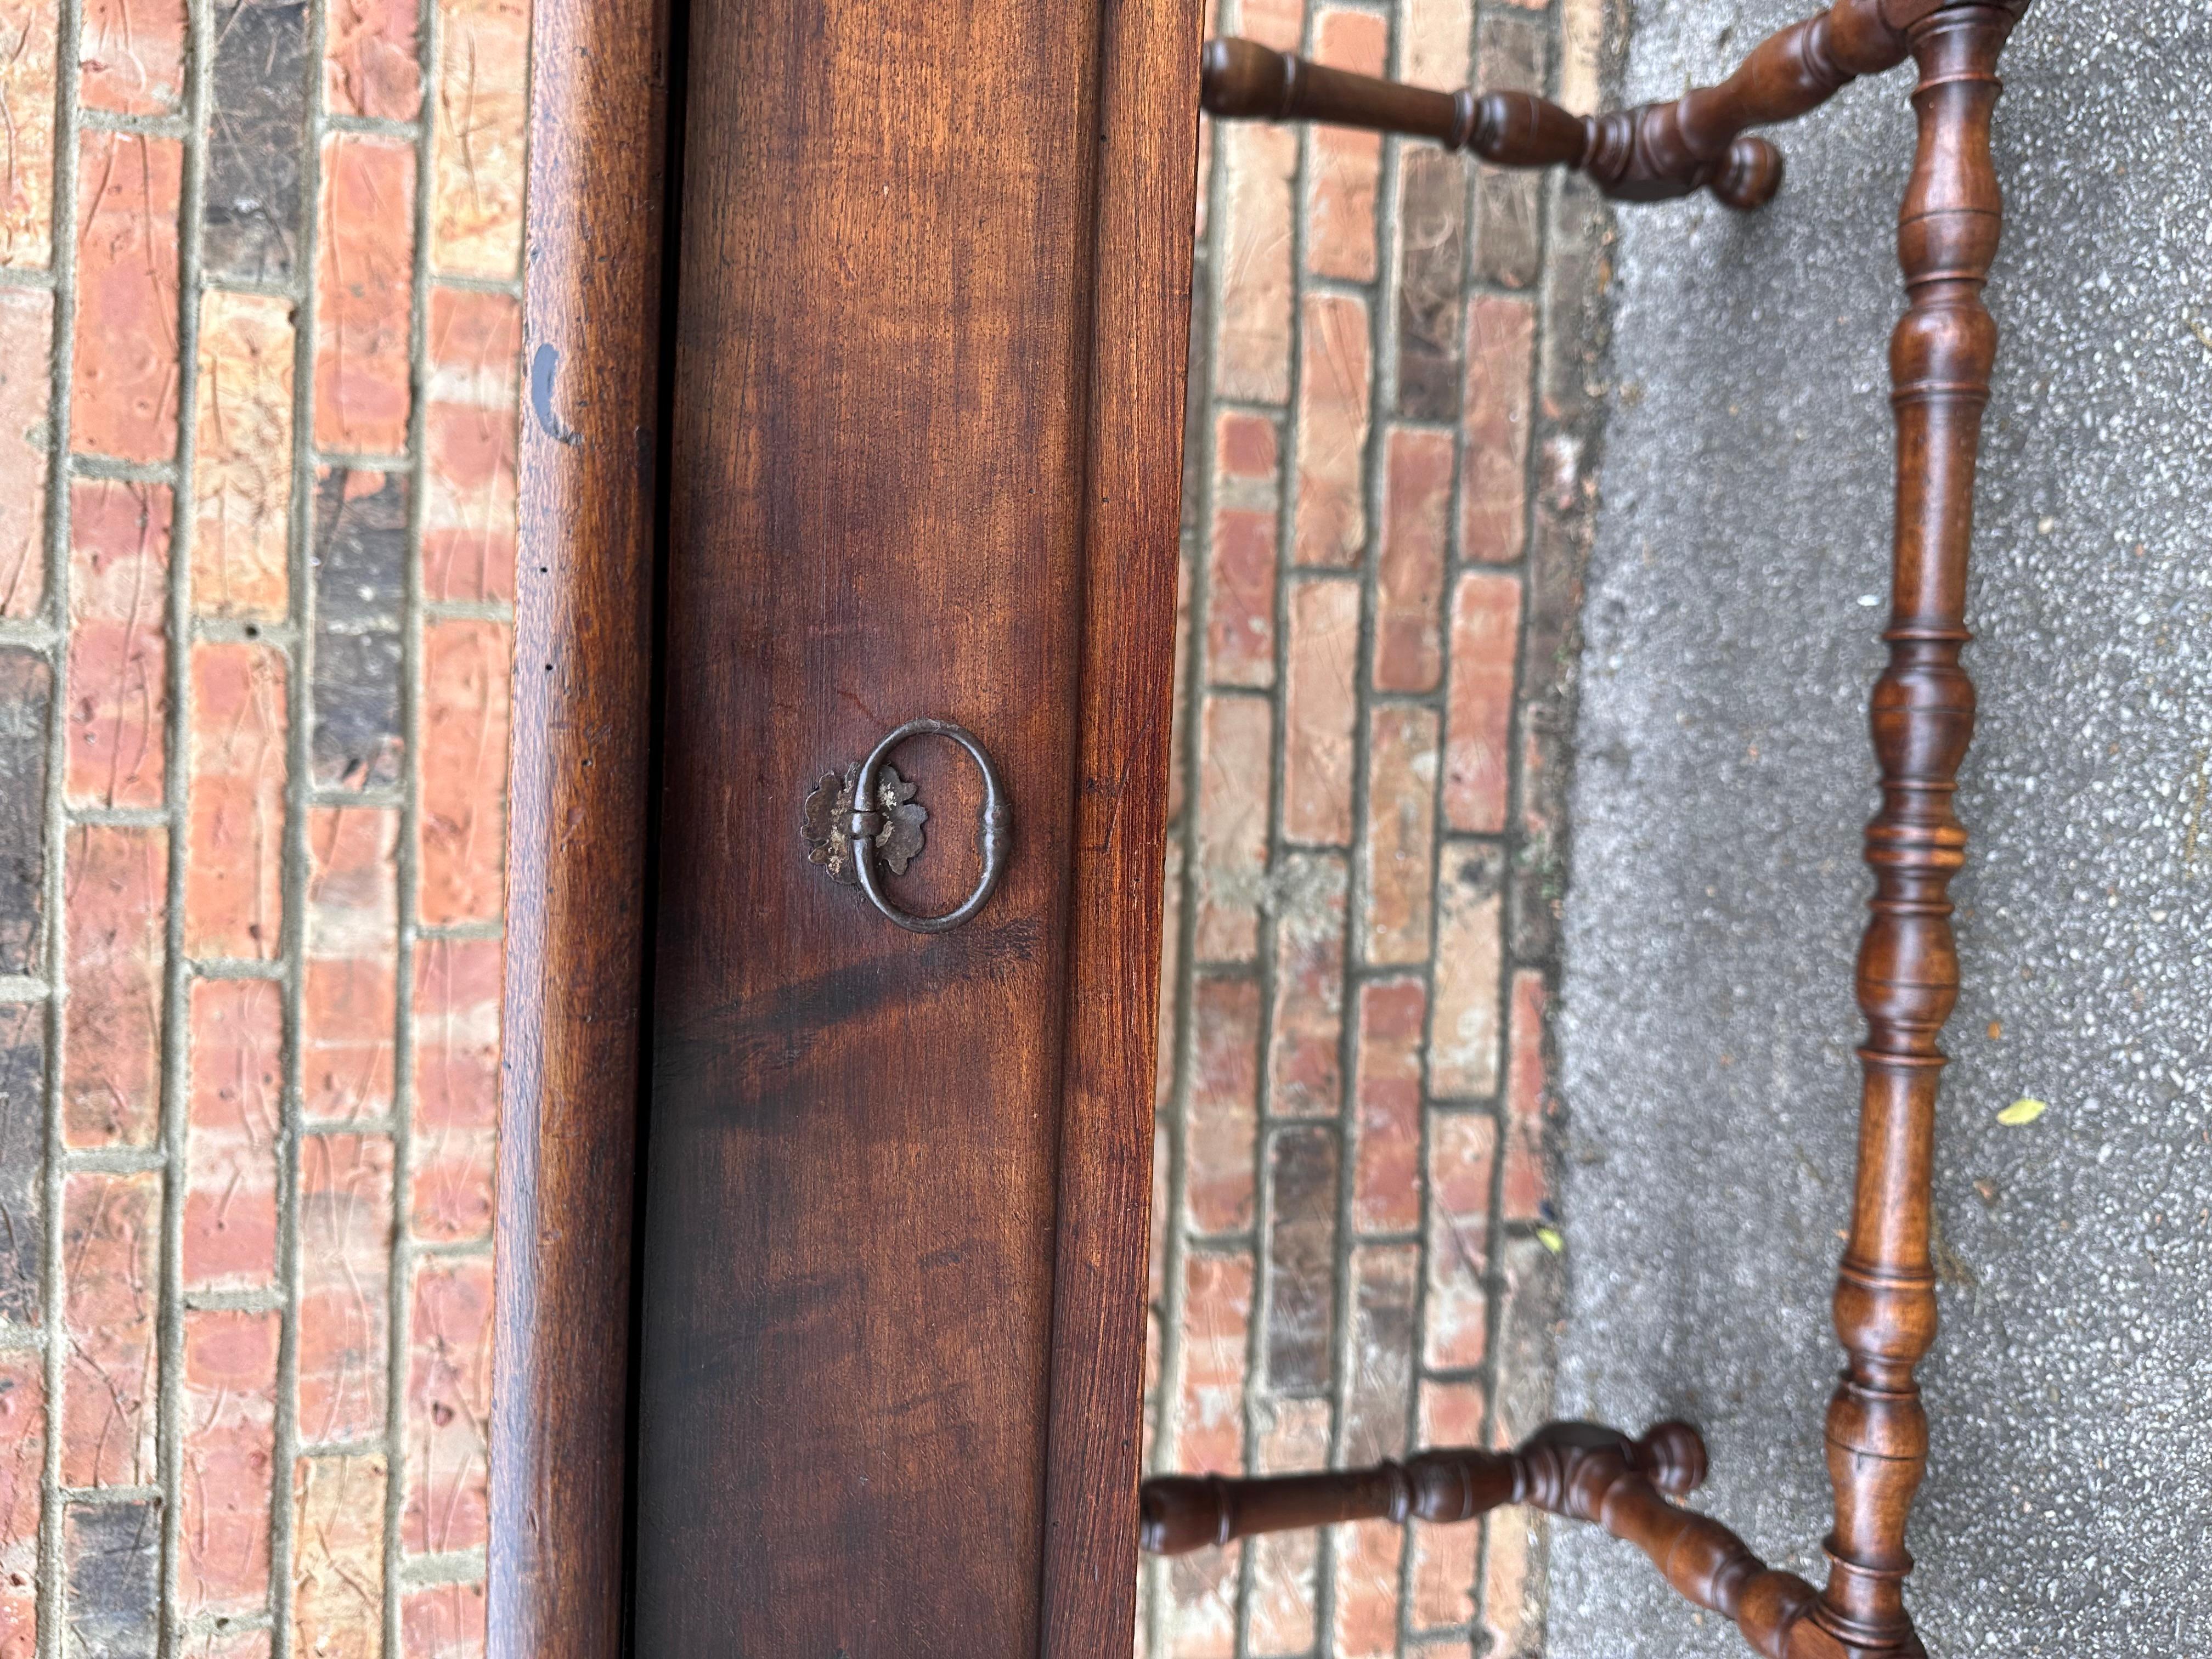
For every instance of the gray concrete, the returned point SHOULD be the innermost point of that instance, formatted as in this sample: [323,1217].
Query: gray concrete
[1724,775]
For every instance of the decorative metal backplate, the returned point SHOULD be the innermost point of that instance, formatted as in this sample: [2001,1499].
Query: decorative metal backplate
[830,807]
[870,812]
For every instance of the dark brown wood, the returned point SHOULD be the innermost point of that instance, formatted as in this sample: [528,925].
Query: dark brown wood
[922,428]
[576,860]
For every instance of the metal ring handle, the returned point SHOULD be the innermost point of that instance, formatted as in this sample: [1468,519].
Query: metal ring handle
[998,825]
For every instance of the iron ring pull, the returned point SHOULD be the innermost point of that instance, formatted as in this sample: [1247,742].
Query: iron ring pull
[998,824]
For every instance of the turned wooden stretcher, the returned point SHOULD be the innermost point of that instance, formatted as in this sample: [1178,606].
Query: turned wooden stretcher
[1922,713]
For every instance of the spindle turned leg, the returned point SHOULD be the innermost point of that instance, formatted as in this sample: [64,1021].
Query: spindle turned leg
[1922,716]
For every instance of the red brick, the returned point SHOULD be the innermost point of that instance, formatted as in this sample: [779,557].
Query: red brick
[1240,600]
[1528,1183]
[466,670]
[1501,336]
[1513,1585]
[1277,23]
[369,59]
[1485,629]
[1202,1604]
[1234,769]
[131,55]
[1223,1122]
[1294,1440]
[1444,1556]
[345,1308]
[1386,1181]
[350,1004]
[445,1621]
[457,1006]
[111,1294]
[229,1410]
[365,289]
[1217,1320]
[113,899]
[1436,42]
[119,697]
[22,1465]
[1253,355]
[1180,719]
[125,402]
[478,155]
[1409,567]
[1305,1078]
[1463,1038]
[232,1133]
[337,1556]
[1320,706]
[1332,412]
[448,1405]
[242,457]
[1167,1038]
[469,513]
[234,873]
[1462,1152]
[27,332]
[1367,1566]
[227,1643]
[27,87]
[1401,777]
[1346,165]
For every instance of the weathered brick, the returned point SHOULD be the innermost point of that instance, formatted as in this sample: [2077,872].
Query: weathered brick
[112,1569]
[448,1405]
[1581,48]
[1463,1036]
[125,375]
[457,1006]
[1386,1176]
[242,459]
[370,64]
[1494,492]
[469,515]
[1180,719]
[1532,1301]
[1234,768]
[1217,1315]
[234,867]
[1409,565]
[1346,165]
[1435,38]
[27,691]
[1528,1182]
[1240,600]
[1202,1602]
[114,886]
[1401,773]
[1277,23]
[361,558]
[444,1621]
[1513,1584]
[1431,265]
[131,55]
[1304,1075]
[1368,1553]
[1292,1438]
[483,115]
[27,332]
[1463,1153]
[233,1126]
[344,1272]
[1222,1121]
[1169,1037]
[28,74]
[1321,707]
[228,1641]
[22,1185]
[256,140]
[338,1560]
[1379,1391]
[118,698]
[1485,634]
[111,1294]
[1252,358]
[365,287]
[350,1005]
[1302,1178]
[462,825]
[1509,203]
[22,1464]
[1330,526]
[229,1458]
[1444,1556]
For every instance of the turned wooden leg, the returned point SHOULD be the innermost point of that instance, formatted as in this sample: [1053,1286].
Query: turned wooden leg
[1922,717]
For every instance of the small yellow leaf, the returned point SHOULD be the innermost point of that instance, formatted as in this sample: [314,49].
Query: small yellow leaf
[2021,1112]
[1549,1239]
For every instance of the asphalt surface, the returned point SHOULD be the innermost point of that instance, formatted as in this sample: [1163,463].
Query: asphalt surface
[1736,592]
